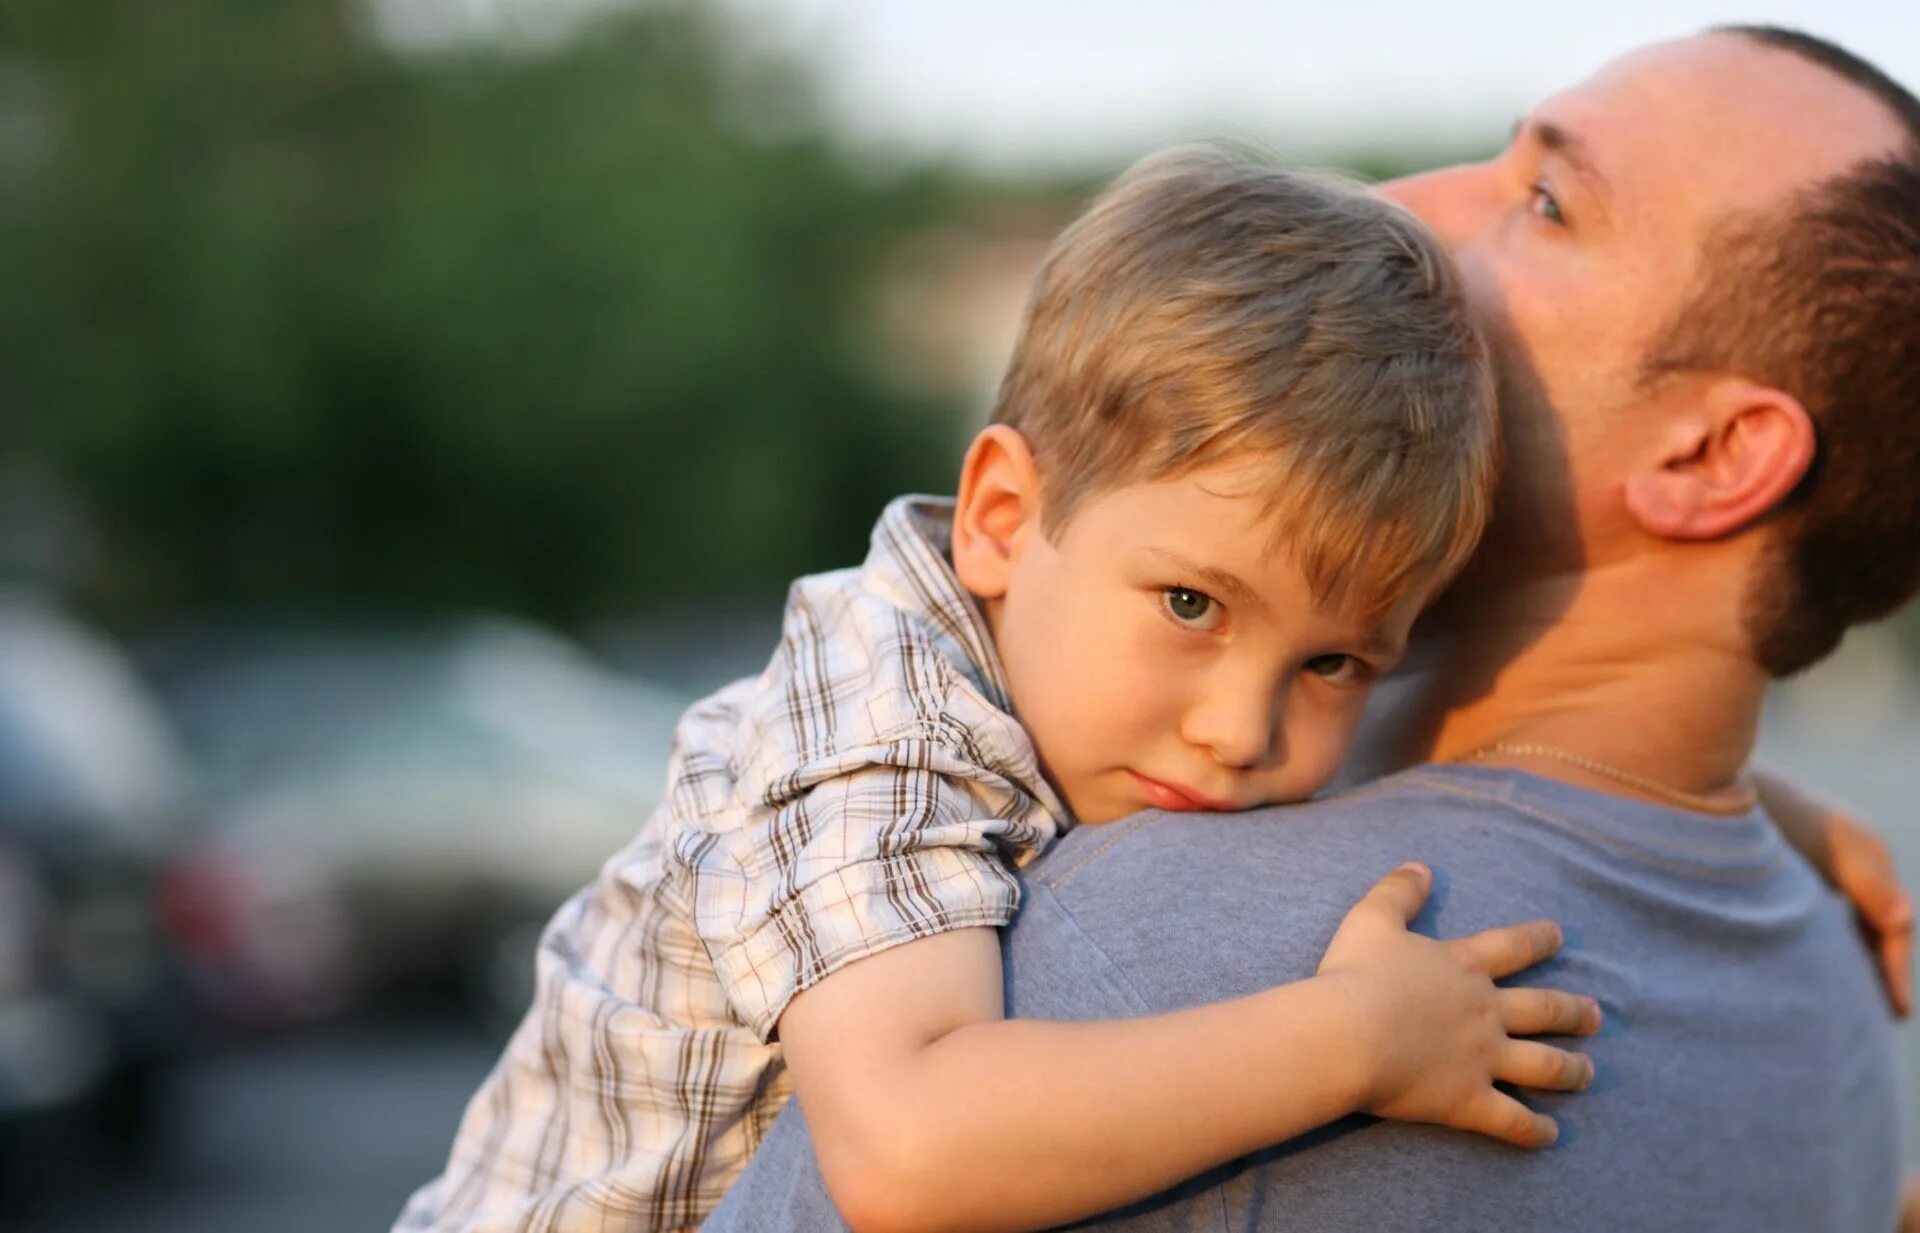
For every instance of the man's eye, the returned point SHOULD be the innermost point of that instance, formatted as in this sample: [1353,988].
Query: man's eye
[1191,608]
[1339,669]
[1541,201]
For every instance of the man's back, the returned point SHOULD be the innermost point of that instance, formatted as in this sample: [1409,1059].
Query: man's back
[1745,1075]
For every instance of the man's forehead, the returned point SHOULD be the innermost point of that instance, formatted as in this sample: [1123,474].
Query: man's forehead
[1721,121]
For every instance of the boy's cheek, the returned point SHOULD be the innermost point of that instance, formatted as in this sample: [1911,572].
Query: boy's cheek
[1319,746]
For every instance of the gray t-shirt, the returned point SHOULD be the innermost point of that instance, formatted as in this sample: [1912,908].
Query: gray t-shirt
[1745,1077]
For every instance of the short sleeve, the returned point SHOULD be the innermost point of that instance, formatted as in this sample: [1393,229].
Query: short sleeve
[891,843]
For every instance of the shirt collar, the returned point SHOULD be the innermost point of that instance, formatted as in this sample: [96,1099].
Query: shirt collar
[911,562]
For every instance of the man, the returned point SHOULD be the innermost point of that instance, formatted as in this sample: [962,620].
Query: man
[1701,272]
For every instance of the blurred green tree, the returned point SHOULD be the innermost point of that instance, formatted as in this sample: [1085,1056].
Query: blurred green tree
[570,329]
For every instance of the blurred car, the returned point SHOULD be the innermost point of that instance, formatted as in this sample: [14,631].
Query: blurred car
[93,793]
[453,785]
[262,932]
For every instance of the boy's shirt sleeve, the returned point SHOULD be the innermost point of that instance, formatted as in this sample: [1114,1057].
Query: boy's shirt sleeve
[878,797]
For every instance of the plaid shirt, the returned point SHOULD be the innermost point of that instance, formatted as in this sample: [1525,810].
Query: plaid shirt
[869,788]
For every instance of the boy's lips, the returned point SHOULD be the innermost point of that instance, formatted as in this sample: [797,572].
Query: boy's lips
[1177,799]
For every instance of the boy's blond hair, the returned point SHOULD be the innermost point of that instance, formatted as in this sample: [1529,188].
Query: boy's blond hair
[1207,310]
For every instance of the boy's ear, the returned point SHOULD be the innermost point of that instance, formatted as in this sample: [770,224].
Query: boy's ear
[998,507]
[1724,466]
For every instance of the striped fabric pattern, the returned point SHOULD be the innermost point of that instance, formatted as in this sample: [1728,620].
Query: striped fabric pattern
[869,788]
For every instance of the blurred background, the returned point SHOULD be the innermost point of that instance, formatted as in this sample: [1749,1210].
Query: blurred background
[409,405]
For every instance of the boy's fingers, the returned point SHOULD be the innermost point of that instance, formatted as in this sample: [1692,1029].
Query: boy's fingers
[1400,894]
[1500,1116]
[1863,870]
[1537,1012]
[1888,924]
[1910,1203]
[1896,963]
[1528,1063]
[1512,948]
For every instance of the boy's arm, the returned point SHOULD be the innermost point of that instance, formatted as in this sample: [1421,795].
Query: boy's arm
[1856,861]
[917,1089]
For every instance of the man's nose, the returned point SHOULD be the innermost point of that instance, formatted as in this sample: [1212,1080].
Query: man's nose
[1239,729]
[1447,200]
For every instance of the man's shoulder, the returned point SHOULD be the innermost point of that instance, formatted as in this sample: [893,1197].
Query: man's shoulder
[1193,907]
[1177,909]
[1477,819]
[1338,839]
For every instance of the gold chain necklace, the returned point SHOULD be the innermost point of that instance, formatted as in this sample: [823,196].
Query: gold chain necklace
[1695,801]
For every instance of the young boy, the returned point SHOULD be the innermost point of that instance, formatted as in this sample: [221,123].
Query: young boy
[1245,435]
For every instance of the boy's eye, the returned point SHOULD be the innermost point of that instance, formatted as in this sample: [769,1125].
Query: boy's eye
[1191,608]
[1338,669]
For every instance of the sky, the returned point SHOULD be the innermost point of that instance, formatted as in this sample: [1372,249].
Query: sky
[1034,82]
[1037,84]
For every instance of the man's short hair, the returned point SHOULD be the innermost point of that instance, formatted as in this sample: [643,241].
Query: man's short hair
[1206,310]
[1822,300]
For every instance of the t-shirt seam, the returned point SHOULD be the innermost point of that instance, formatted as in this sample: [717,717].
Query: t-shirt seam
[1112,973]
[1757,869]
[1120,830]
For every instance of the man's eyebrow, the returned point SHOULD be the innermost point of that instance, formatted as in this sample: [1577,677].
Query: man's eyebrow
[1568,145]
[1217,579]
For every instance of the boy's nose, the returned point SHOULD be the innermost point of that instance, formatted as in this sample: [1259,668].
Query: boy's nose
[1238,732]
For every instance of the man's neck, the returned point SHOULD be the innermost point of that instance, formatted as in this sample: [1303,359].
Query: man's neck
[1599,666]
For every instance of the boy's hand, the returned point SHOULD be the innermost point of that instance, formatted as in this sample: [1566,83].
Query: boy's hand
[1861,868]
[1856,862]
[1438,1032]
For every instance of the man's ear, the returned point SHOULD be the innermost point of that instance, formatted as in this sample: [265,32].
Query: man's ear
[1737,453]
[997,509]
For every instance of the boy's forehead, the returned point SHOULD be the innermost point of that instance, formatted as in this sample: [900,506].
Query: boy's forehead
[1217,529]
[1222,511]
